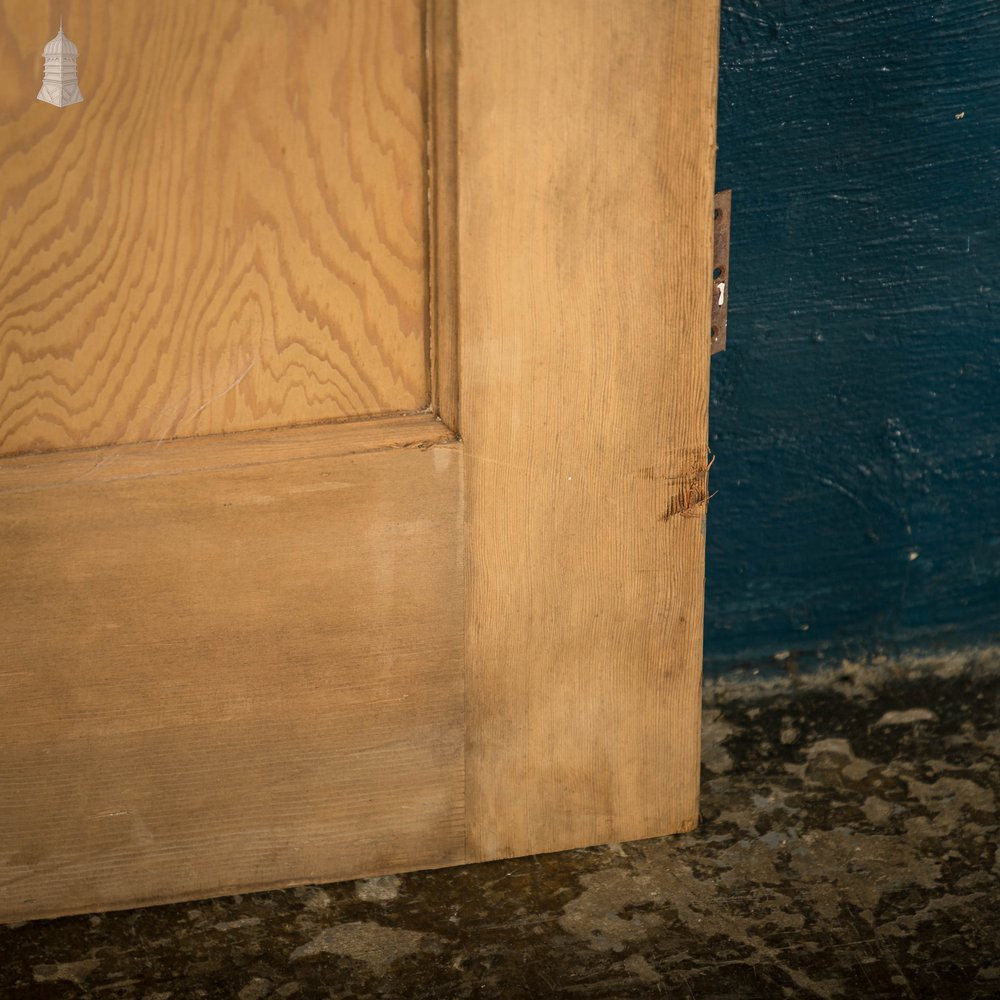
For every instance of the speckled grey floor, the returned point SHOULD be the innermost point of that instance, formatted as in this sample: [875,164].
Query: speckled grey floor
[849,848]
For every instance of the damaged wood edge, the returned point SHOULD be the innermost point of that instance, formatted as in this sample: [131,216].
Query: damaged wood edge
[692,496]
[27,473]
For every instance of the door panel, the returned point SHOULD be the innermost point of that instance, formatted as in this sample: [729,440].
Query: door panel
[215,678]
[228,233]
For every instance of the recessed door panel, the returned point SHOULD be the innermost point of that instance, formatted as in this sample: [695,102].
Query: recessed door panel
[227,233]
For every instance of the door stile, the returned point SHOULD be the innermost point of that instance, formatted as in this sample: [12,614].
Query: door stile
[586,140]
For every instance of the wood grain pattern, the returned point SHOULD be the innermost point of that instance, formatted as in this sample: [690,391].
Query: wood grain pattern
[228,233]
[586,151]
[69,469]
[221,680]
[279,656]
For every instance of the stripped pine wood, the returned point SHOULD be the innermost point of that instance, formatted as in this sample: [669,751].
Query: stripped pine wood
[585,174]
[228,233]
[68,469]
[286,654]
[443,93]
[218,680]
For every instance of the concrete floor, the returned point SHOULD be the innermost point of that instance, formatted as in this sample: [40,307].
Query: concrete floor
[849,848]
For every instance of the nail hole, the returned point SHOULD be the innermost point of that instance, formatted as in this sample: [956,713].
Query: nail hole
[718,273]
[718,213]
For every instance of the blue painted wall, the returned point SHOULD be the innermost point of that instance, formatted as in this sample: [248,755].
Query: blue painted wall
[856,413]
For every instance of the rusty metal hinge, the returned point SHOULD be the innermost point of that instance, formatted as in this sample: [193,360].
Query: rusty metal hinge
[720,269]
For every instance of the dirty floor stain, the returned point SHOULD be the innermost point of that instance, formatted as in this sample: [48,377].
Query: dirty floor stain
[848,848]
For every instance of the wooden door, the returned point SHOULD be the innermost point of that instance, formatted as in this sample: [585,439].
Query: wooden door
[353,392]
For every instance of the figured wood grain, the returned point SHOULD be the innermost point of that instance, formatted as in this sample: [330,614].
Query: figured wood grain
[228,233]
[585,162]
[222,680]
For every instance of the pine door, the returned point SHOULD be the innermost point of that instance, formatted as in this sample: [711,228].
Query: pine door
[353,392]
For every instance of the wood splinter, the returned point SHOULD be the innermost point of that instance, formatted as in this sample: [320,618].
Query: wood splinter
[694,496]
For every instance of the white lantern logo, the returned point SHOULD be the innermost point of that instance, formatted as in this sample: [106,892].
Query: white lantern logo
[60,86]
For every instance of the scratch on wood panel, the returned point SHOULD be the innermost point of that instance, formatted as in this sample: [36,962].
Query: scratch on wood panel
[97,465]
[229,388]
[172,423]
